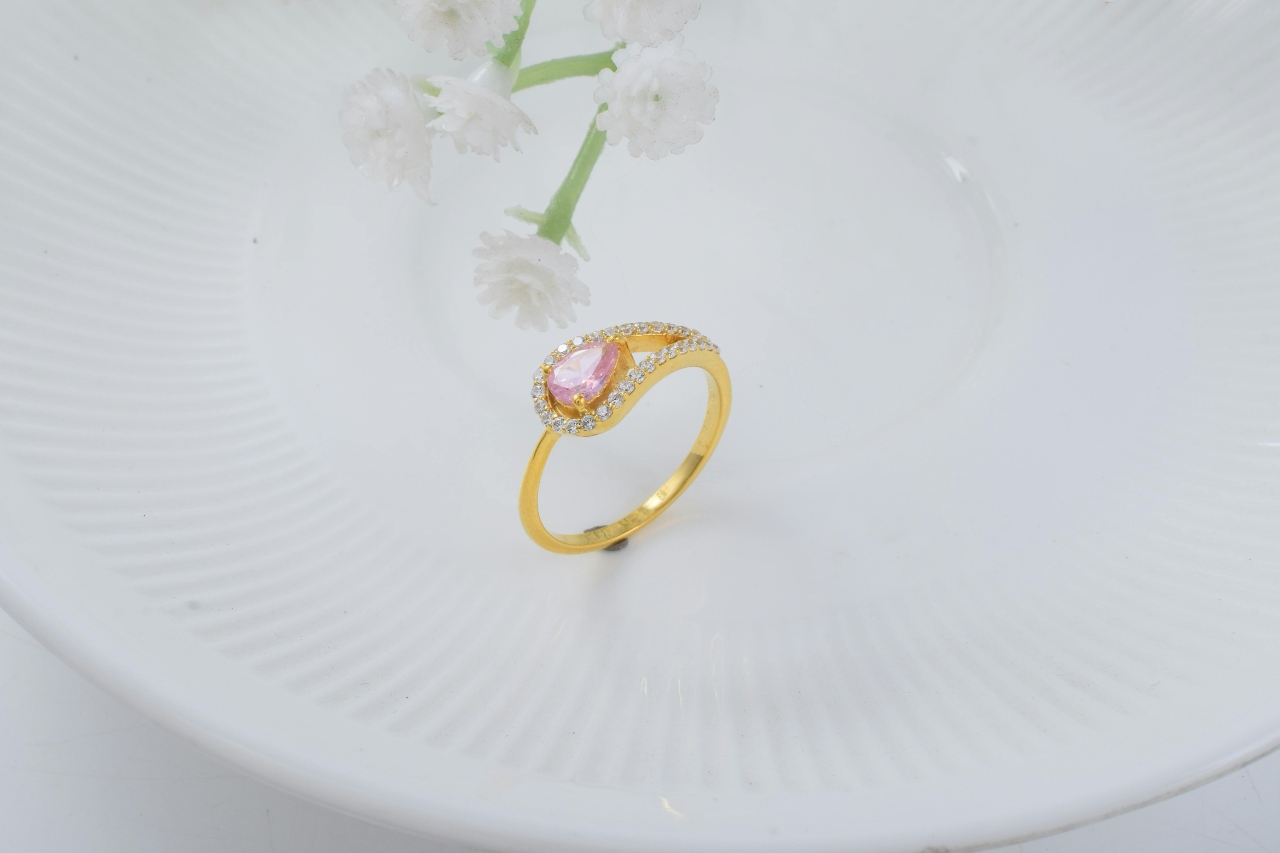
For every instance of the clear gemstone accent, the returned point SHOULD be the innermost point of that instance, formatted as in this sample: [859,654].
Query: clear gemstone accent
[660,356]
[682,346]
[715,348]
[549,360]
[595,336]
[627,385]
[538,375]
[538,391]
[544,416]
[604,413]
[540,404]
[627,328]
[577,342]
[562,349]
[615,399]
[612,330]
[682,332]
[557,424]
[572,426]
[636,375]
[642,328]
[648,366]
[658,328]
[588,423]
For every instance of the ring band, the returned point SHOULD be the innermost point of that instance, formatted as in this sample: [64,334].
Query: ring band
[586,386]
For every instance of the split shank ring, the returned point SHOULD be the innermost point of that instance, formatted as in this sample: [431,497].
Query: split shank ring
[586,386]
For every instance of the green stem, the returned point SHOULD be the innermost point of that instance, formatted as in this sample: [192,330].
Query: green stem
[560,210]
[512,42]
[587,65]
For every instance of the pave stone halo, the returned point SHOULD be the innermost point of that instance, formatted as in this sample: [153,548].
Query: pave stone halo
[583,381]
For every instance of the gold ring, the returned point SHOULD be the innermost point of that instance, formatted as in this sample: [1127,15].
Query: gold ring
[586,386]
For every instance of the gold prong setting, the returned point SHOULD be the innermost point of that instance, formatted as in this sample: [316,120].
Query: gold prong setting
[688,340]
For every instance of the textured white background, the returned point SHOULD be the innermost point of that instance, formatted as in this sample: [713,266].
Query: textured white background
[1119,426]
[79,772]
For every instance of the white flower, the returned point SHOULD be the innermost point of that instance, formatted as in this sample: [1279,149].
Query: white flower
[658,99]
[462,24]
[641,21]
[529,274]
[385,129]
[477,112]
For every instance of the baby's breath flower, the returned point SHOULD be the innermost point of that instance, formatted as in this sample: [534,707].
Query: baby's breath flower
[532,275]
[461,24]
[385,129]
[646,22]
[658,99]
[477,113]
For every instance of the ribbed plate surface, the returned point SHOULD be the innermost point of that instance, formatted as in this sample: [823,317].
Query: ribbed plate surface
[990,546]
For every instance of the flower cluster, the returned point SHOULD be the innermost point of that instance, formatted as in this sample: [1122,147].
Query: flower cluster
[464,25]
[386,128]
[477,113]
[645,22]
[531,275]
[658,99]
[652,92]
[660,94]
[388,122]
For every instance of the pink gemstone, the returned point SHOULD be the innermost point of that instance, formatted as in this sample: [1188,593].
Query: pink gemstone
[583,371]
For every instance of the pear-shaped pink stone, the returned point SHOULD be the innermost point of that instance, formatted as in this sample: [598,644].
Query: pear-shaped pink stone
[583,371]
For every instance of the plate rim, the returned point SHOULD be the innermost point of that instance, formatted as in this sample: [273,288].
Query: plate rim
[94,655]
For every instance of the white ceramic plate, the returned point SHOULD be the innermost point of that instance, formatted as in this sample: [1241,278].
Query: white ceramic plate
[990,546]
